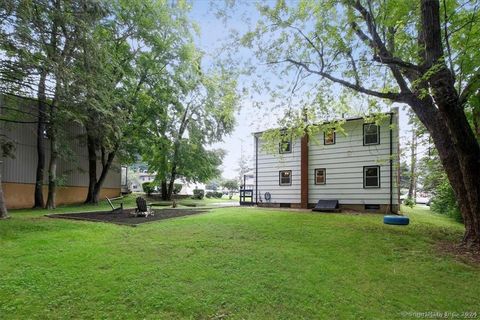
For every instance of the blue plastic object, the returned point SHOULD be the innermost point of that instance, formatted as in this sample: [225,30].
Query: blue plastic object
[396,220]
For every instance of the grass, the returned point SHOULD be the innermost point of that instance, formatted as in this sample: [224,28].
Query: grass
[239,263]
[189,202]
[128,202]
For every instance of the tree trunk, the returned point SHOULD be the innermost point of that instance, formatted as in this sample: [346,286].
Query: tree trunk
[52,167]
[3,206]
[413,162]
[42,109]
[171,184]
[164,190]
[442,139]
[465,145]
[92,168]
[52,171]
[105,169]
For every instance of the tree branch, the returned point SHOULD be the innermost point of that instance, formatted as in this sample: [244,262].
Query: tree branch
[354,67]
[383,53]
[472,86]
[397,97]
[22,122]
[310,42]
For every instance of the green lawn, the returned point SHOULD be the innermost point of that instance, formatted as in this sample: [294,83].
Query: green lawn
[240,263]
[188,202]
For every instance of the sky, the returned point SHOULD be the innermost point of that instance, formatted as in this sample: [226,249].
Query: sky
[213,34]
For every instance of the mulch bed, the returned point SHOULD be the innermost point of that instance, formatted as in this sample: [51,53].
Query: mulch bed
[125,217]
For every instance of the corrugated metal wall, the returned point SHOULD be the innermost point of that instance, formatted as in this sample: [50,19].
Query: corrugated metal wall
[73,167]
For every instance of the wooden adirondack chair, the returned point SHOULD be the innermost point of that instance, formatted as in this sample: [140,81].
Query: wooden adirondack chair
[115,210]
[143,209]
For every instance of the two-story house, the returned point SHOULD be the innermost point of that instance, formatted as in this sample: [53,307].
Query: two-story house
[359,167]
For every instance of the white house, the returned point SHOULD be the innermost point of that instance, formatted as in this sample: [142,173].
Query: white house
[358,167]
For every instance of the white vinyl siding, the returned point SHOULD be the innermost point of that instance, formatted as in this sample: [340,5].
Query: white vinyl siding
[345,161]
[269,166]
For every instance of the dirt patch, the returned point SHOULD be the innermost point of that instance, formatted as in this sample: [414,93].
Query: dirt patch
[126,217]
[461,253]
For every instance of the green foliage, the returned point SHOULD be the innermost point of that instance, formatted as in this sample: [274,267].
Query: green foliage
[214,194]
[188,109]
[213,184]
[431,172]
[148,187]
[230,184]
[7,147]
[198,194]
[177,187]
[445,203]
[409,202]
[93,56]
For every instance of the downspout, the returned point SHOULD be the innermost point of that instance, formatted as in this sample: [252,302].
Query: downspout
[304,172]
[256,169]
[391,162]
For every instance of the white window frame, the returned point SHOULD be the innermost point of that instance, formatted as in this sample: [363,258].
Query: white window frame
[280,183]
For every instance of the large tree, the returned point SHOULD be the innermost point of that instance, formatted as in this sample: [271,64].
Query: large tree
[39,42]
[29,31]
[120,48]
[183,110]
[103,65]
[420,53]
[6,150]
[70,19]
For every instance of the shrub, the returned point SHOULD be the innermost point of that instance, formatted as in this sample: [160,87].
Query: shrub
[214,194]
[148,187]
[177,187]
[209,194]
[198,194]
[409,202]
[444,202]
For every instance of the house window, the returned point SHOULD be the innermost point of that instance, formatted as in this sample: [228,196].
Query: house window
[285,178]
[371,134]
[371,177]
[320,176]
[329,137]
[285,146]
